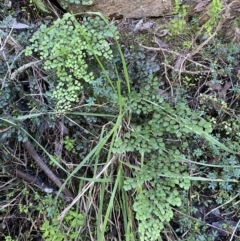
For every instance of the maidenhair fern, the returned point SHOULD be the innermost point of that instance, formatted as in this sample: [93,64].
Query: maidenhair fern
[67,47]
[159,139]
[65,3]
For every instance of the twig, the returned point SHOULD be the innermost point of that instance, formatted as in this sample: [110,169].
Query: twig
[22,69]
[197,50]
[234,231]
[188,71]
[38,183]
[166,76]
[32,152]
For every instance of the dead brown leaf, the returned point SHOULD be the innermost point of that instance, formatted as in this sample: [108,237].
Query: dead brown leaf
[225,88]
[160,43]
[217,87]
[179,63]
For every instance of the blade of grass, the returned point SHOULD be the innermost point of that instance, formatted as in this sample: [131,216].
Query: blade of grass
[110,205]
[199,178]
[86,187]
[126,211]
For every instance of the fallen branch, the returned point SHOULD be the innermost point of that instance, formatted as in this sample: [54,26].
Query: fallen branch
[32,152]
[38,183]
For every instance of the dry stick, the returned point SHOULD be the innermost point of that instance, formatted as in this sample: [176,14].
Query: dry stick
[234,231]
[166,76]
[188,71]
[219,26]
[27,177]
[38,183]
[32,152]
[22,69]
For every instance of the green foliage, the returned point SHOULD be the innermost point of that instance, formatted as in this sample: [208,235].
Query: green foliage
[153,206]
[65,3]
[40,5]
[178,25]
[214,14]
[52,229]
[55,231]
[8,238]
[160,141]
[140,66]
[69,144]
[67,47]
[51,232]
[180,9]
[87,2]
[229,52]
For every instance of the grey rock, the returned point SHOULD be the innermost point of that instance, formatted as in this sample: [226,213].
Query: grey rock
[125,8]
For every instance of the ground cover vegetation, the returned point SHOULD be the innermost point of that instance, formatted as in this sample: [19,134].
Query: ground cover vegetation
[108,134]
